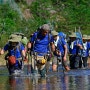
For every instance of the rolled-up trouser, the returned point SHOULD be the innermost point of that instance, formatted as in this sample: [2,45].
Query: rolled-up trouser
[56,61]
[35,67]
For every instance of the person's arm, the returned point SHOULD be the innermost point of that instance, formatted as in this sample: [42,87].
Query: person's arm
[31,41]
[65,52]
[29,45]
[23,53]
[80,46]
[2,51]
[52,46]
[65,49]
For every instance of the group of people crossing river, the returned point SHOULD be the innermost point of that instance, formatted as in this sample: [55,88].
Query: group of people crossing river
[43,47]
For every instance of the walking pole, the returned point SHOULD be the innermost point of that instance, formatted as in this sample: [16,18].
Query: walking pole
[28,63]
[34,62]
[7,65]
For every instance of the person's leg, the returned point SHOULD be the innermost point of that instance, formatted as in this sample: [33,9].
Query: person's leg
[11,69]
[65,64]
[84,61]
[42,72]
[80,62]
[54,63]
[72,60]
[77,60]
[20,64]
[33,65]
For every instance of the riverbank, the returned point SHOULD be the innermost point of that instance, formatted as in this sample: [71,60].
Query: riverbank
[3,61]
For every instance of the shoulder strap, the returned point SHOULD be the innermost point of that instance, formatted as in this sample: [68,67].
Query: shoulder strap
[59,41]
[49,42]
[36,35]
[19,46]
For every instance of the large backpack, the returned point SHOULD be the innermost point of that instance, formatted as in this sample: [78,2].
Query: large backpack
[21,37]
[12,37]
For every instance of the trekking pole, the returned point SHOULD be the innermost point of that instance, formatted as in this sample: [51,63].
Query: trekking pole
[35,58]
[79,30]
[28,63]
[7,65]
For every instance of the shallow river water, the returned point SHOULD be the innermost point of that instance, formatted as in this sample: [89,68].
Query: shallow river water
[73,80]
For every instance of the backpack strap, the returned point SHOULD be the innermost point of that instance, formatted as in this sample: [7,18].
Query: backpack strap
[36,35]
[17,47]
[49,42]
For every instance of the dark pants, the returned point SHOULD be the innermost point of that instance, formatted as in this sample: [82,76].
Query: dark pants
[75,61]
[84,59]
[42,72]
[12,68]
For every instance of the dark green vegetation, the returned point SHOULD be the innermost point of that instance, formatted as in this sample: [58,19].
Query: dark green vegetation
[63,15]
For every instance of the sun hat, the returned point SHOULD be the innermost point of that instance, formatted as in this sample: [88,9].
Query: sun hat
[72,35]
[19,34]
[45,27]
[54,33]
[14,38]
[85,37]
[88,37]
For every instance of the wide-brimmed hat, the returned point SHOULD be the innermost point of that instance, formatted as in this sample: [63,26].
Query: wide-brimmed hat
[18,33]
[14,38]
[54,33]
[72,35]
[88,37]
[45,27]
[85,37]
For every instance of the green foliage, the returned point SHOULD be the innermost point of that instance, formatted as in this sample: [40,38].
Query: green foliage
[73,13]
[40,11]
[63,15]
[9,22]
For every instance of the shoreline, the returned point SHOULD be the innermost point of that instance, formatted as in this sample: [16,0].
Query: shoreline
[3,61]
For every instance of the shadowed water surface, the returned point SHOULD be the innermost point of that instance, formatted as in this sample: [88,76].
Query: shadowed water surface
[72,80]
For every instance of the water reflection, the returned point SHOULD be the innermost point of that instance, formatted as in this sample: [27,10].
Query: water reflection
[79,82]
[16,83]
[74,80]
[50,83]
